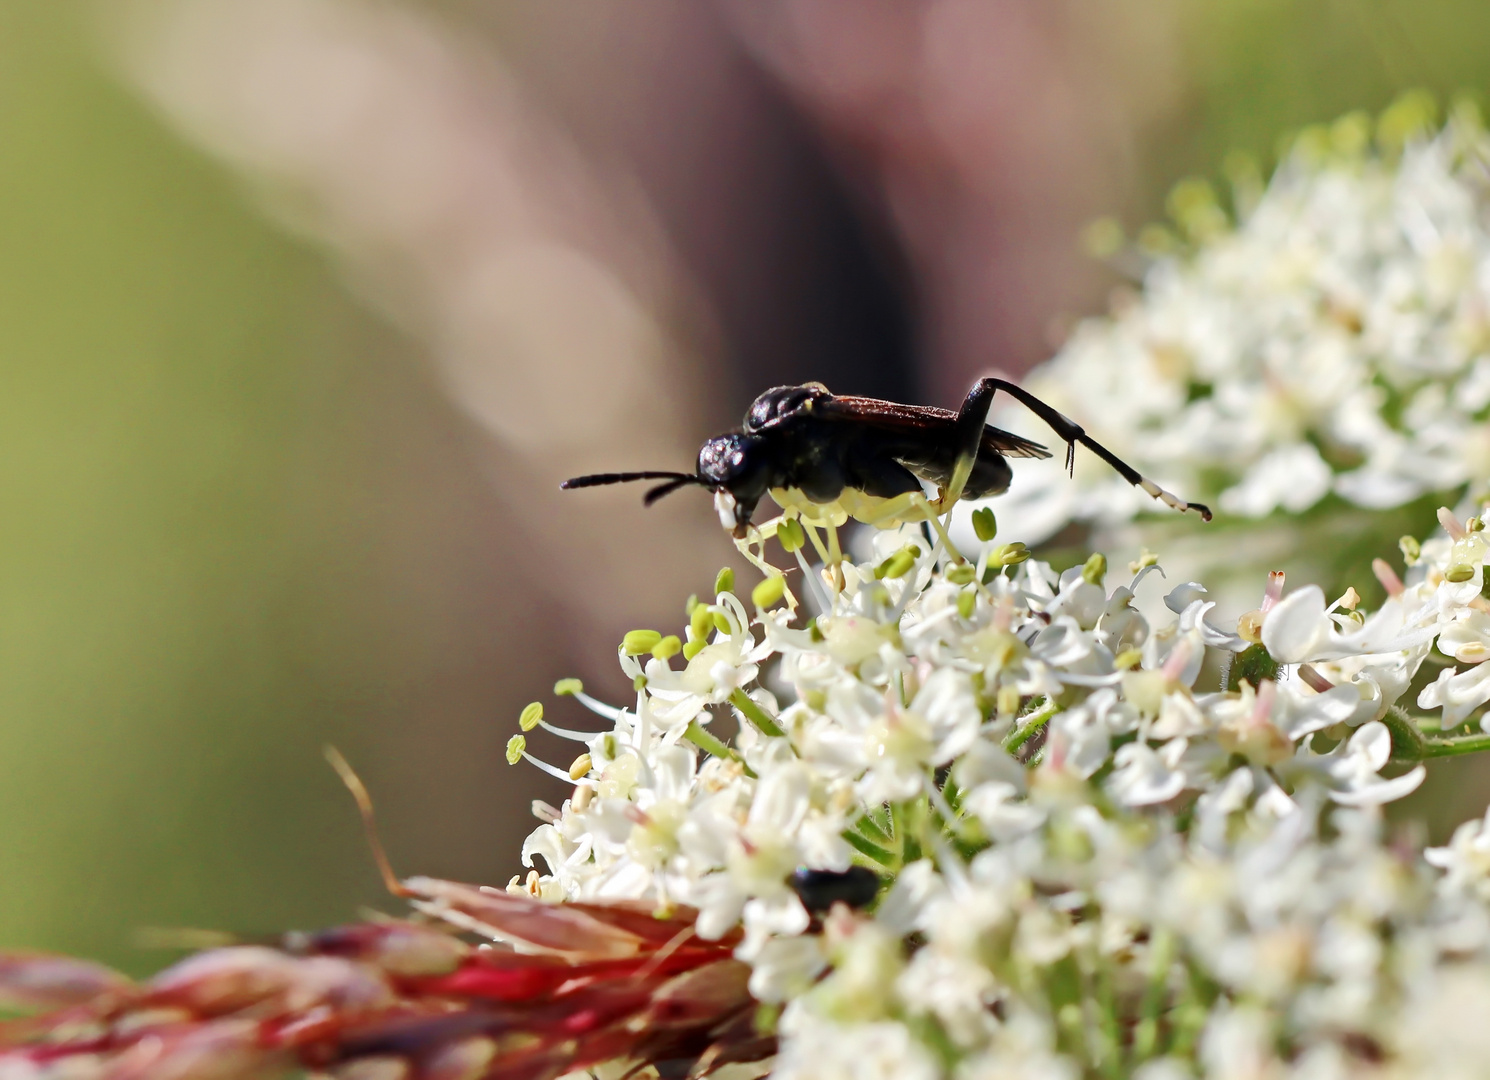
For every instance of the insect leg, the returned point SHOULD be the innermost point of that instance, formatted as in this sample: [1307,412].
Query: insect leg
[899,507]
[974,414]
[817,544]
[758,535]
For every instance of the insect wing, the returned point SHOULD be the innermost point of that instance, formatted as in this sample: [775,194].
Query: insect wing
[895,419]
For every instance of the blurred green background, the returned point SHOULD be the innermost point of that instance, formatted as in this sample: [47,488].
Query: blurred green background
[220,546]
[240,517]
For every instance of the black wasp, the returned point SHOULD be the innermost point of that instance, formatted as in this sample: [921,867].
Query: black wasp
[824,444]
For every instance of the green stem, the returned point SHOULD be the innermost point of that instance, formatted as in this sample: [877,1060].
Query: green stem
[1146,1033]
[1032,723]
[756,715]
[873,851]
[709,744]
[1407,741]
[905,817]
[871,828]
[1468,744]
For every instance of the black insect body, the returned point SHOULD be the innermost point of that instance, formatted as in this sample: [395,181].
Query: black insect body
[819,890]
[824,445]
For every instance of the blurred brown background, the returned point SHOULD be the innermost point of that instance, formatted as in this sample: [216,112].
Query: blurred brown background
[307,305]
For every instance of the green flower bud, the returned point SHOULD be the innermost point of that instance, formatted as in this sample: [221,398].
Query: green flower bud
[984,524]
[568,686]
[899,564]
[768,591]
[791,535]
[637,642]
[668,647]
[962,573]
[724,581]
[1094,572]
[516,746]
[531,715]
[1146,559]
[1010,554]
[700,622]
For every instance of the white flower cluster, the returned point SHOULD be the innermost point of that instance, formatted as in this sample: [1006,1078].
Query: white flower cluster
[1098,855]
[1333,338]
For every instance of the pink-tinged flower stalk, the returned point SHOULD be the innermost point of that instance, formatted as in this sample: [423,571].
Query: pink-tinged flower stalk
[402,1001]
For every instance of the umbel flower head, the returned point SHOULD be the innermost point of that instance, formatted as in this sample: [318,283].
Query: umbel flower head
[990,821]
[1324,335]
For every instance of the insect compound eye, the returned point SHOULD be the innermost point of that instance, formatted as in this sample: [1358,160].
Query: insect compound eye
[732,462]
[819,890]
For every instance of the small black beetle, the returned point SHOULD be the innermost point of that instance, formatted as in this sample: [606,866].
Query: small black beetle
[819,890]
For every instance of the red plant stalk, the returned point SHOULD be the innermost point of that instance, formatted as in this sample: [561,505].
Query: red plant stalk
[563,987]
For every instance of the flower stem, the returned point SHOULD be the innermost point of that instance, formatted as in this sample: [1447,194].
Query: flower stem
[1146,1033]
[873,851]
[756,715]
[1467,744]
[1032,723]
[1408,743]
[700,738]
[871,828]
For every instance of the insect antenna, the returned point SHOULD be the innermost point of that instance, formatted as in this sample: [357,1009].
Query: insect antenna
[671,486]
[600,479]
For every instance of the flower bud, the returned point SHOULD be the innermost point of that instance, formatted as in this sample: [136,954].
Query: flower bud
[899,564]
[769,591]
[637,642]
[961,574]
[1009,554]
[700,622]
[1094,572]
[1143,562]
